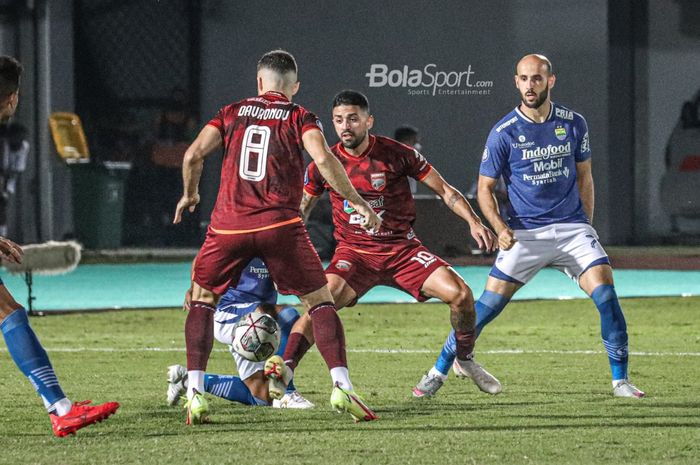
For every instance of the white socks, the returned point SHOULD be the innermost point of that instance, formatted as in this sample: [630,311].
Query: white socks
[435,372]
[341,377]
[62,407]
[195,380]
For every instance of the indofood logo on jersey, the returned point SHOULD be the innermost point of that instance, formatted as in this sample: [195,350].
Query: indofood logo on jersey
[429,80]
[547,152]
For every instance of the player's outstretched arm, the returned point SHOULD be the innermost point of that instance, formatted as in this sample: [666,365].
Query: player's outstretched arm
[584,180]
[454,199]
[208,140]
[334,173]
[489,207]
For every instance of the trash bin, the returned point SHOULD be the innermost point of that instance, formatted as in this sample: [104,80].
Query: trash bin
[98,202]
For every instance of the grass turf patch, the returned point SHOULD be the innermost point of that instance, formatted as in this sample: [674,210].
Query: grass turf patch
[556,407]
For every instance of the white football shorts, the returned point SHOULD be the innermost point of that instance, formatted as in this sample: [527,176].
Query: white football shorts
[223,332]
[571,248]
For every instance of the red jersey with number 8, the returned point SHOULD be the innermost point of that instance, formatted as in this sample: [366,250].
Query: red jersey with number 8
[262,172]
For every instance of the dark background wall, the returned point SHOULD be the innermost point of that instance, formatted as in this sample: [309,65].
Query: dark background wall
[336,47]
[626,65]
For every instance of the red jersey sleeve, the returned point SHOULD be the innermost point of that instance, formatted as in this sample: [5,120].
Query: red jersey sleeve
[418,167]
[218,121]
[314,184]
[309,121]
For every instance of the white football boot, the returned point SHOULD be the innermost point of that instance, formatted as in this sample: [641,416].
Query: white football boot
[292,400]
[177,384]
[279,376]
[483,379]
[428,386]
[624,388]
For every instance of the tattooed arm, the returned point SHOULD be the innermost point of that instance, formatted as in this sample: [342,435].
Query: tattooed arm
[308,202]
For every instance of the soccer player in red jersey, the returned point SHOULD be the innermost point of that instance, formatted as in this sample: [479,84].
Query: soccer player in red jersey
[379,168]
[22,344]
[257,215]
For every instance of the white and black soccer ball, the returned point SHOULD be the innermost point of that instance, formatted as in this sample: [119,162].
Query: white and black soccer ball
[256,336]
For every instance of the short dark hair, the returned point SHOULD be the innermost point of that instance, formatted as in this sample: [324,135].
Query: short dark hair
[405,132]
[280,61]
[351,97]
[10,72]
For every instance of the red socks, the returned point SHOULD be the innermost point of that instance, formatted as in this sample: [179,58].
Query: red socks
[329,334]
[199,334]
[297,346]
[465,343]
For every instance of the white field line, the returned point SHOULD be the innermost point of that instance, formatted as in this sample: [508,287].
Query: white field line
[383,351]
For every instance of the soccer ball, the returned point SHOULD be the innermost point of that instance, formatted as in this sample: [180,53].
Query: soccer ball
[256,336]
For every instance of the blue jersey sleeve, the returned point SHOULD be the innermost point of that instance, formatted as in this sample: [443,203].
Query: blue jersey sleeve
[495,155]
[583,146]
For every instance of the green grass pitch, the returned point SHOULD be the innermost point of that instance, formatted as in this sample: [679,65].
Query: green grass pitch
[556,407]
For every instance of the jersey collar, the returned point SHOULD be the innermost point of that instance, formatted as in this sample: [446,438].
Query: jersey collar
[275,96]
[369,148]
[528,120]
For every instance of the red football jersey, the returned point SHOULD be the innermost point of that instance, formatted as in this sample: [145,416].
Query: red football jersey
[380,175]
[262,173]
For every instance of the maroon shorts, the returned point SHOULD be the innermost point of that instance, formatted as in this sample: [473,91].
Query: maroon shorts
[286,250]
[406,269]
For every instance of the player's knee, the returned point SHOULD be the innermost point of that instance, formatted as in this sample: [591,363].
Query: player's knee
[199,294]
[463,297]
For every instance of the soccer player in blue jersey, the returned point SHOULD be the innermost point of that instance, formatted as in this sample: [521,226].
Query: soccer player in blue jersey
[542,151]
[255,290]
[22,344]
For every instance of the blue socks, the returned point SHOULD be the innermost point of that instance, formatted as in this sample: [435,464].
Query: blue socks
[488,307]
[613,329]
[30,357]
[230,388]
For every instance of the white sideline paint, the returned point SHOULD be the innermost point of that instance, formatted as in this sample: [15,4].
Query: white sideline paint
[387,351]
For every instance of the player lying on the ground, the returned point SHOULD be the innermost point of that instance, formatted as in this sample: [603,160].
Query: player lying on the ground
[22,344]
[379,169]
[255,290]
[542,151]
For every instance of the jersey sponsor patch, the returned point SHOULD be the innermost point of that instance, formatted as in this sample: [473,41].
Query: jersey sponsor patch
[506,124]
[585,144]
[564,113]
[347,208]
[485,156]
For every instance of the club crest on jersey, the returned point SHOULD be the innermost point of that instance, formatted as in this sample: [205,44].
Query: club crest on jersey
[560,132]
[378,181]
[343,265]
